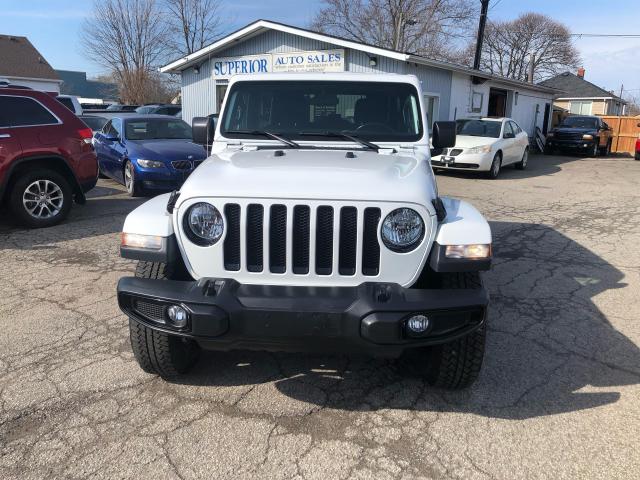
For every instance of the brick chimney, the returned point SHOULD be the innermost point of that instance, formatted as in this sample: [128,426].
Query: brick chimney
[581,72]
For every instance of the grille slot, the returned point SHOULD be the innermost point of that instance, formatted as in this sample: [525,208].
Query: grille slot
[181,164]
[278,239]
[324,240]
[300,239]
[150,310]
[348,240]
[370,245]
[255,226]
[232,240]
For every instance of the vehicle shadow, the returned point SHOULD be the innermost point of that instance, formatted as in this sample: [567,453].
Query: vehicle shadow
[104,213]
[538,166]
[549,346]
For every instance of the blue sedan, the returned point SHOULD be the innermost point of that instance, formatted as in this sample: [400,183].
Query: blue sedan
[148,154]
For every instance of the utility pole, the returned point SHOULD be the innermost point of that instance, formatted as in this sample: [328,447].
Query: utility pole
[532,62]
[483,21]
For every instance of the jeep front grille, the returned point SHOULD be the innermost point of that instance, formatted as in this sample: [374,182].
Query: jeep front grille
[298,246]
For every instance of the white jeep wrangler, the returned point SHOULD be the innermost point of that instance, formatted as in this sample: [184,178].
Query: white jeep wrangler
[315,225]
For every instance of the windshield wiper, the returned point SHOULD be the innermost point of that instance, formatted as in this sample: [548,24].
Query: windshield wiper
[353,138]
[271,135]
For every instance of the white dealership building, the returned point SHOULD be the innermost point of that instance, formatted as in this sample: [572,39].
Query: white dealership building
[451,91]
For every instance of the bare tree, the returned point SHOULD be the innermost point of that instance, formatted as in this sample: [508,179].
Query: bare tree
[128,38]
[194,24]
[509,47]
[427,27]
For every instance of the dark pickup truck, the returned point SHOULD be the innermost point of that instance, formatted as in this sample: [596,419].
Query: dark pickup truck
[577,133]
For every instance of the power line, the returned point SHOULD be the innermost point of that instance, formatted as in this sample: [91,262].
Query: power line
[495,5]
[617,35]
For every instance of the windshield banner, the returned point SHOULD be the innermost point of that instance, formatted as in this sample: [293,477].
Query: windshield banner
[314,61]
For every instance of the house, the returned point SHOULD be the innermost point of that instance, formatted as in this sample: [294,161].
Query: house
[22,64]
[581,97]
[451,91]
[87,91]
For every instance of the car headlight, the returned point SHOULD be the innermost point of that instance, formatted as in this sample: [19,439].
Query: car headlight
[587,137]
[203,224]
[480,149]
[150,163]
[402,230]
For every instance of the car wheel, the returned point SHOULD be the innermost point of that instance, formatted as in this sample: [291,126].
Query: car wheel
[130,181]
[494,171]
[595,150]
[607,150]
[157,352]
[41,198]
[453,365]
[522,164]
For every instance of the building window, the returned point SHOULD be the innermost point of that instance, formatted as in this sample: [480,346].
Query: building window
[476,102]
[432,105]
[581,107]
[221,90]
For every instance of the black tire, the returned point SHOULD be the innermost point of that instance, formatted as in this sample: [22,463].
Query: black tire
[606,151]
[157,352]
[548,150]
[496,165]
[522,164]
[29,182]
[133,188]
[595,150]
[455,365]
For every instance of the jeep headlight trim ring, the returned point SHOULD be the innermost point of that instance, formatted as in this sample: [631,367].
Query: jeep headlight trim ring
[402,230]
[203,224]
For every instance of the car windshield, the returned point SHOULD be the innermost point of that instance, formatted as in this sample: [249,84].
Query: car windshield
[146,109]
[579,122]
[156,128]
[478,128]
[94,123]
[303,109]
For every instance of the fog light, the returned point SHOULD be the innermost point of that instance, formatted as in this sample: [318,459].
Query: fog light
[178,316]
[418,323]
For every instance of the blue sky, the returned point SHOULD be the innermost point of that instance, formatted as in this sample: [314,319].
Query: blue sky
[53,27]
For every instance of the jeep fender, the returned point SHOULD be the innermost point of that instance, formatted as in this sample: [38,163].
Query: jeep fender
[151,218]
[463,225]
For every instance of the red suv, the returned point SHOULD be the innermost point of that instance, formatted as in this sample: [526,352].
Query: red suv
[46,157]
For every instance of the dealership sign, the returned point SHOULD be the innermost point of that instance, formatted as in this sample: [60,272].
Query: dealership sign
[318,61]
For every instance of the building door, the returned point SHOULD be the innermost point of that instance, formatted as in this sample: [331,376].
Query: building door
[497,103]
[432,106]
[545,124]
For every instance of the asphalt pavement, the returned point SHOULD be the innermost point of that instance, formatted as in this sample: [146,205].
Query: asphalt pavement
[558,396]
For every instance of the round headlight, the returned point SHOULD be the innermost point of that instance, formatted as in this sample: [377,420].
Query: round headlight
[203,224]
[402,230]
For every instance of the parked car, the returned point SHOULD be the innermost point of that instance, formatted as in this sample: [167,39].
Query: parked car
[71,102]
[580,133]
[328,235]
[486,145]
[149,154]
[159,109]
[94,122]
[121,108]
[638,149]
[46,157]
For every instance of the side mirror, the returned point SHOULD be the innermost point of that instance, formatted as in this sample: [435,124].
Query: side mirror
[203,130]
[444,135]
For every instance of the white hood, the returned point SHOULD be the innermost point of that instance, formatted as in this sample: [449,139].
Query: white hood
[312,174]
[468,141]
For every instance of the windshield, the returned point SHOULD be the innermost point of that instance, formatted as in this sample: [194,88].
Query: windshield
[478,128]
[156,128]
[300,109]
[580,122]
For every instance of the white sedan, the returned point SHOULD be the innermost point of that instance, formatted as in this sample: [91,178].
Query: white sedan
[485,145]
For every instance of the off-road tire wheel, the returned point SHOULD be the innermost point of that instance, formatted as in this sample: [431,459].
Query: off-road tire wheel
[24,194]
[606,151]
[156,352]
[455,365]
[595,150]
[496,166]
[522,164]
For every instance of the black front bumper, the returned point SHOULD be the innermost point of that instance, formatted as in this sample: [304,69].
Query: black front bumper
[370,318]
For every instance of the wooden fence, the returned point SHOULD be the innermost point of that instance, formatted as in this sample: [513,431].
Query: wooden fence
[625,133]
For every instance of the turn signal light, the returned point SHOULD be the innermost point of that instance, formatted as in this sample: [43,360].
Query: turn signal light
[135,240]
[473,251]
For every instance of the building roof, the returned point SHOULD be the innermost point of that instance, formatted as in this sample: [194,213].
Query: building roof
[76,83]
[20,59]
[574,86]
[261,26]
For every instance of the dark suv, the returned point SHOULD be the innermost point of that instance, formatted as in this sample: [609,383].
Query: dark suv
[46,157]
[585,134]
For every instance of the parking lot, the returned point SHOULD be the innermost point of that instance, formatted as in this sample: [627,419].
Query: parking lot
[557,397]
